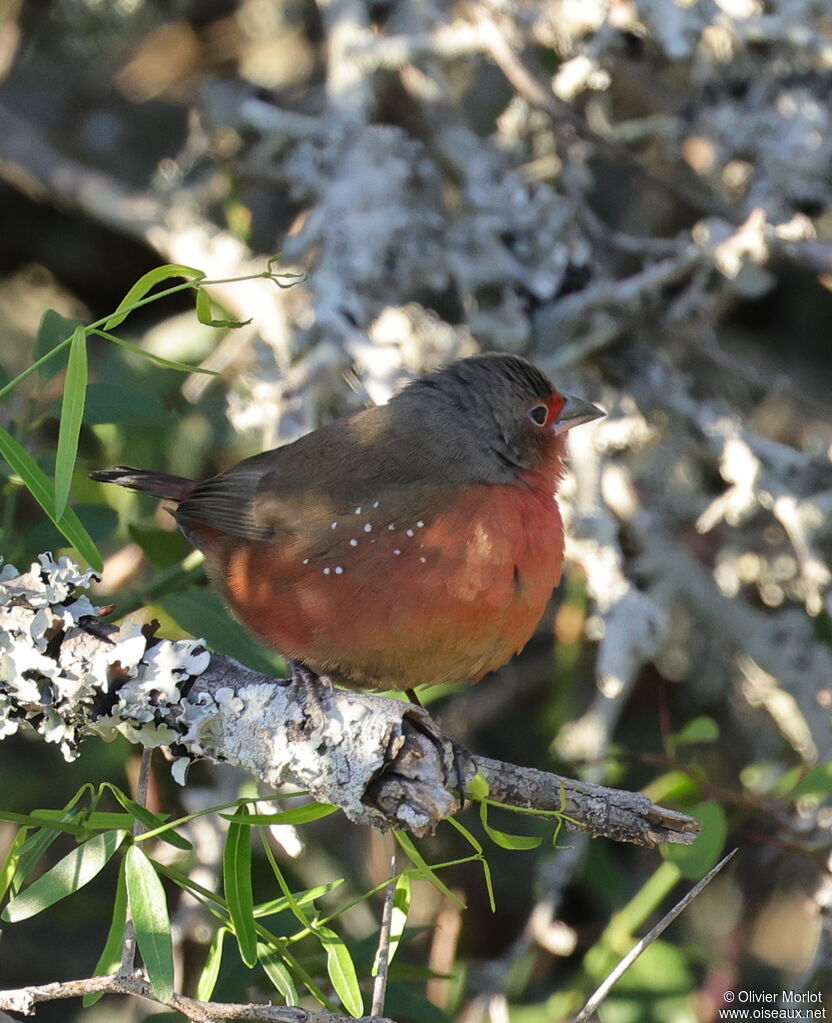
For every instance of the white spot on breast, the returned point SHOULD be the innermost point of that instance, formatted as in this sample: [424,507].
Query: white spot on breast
[358,510]
[353,543]
[368,528]
[326,571]
[334,525]
[423,560]
[410,532]
[306,561]
[375,504]
[392,526]
[339,570]
[397,552]
[419,524]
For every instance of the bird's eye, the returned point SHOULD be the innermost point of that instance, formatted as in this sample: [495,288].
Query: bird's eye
[539,414]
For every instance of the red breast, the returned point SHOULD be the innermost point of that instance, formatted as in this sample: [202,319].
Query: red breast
[416,542]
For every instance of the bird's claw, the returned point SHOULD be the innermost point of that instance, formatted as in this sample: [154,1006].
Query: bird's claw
[316,689]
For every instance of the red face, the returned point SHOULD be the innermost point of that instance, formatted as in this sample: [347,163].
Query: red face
[544,413]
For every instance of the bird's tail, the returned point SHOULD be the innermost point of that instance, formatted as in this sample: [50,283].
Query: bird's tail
[174,488]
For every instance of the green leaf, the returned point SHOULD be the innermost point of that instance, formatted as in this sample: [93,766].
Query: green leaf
[150,819]
[701,729]
[11,861]
[72,415]
[502,838]
[694,861]
[341,970]
[303,898]
[477,787]
[236,875]
[211,970]
[68,875]
[157,360]
[277,972]
[53,331]
[40,487]
[144,284]
[480,858]
[298,815]
[203,312]
[110,958]
[201,613]
[149,911]
[819,779]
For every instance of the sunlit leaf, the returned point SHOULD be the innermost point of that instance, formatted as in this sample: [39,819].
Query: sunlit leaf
[278,973]
[297,815]
[110,958]
[341,970]
[211,970]
[149,911]
[68,875]
[145,284]
[150,819]
[72,415]
[236,874]
[40,487]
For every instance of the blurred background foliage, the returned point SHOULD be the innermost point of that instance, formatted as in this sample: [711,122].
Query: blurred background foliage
[396,152]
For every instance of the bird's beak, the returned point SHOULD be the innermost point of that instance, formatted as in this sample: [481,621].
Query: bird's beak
[574,412]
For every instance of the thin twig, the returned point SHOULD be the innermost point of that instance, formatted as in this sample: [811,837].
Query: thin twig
[603,990]
[383,955]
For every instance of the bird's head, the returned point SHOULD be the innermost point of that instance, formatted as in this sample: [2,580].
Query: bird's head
[501,410]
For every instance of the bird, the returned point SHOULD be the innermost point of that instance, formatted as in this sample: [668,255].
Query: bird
[413,542]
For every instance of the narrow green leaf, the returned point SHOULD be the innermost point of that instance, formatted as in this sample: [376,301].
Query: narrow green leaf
[480,857]
[68,875]
[819,779]
[110,958]
[203,312]
[341,970]
[274,906]
[211,970]
[40,487]
[701,729]
[502,838]
[297,815]
[277,972]
[9,868]
[236,875]
[149,911]
[144,284]
[157,360]
[203,306]
[477,787]
[398,918]
[72,415]
[150,819]
[425,870]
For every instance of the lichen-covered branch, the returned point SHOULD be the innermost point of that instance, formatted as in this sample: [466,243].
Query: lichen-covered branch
[383,761]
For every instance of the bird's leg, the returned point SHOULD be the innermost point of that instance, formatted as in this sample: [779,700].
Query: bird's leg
[414,699]
[316,687]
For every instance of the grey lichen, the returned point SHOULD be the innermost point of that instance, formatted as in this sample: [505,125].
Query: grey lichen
[60,680]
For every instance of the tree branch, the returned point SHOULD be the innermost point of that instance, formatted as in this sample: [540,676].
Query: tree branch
[384,762]
[25,999]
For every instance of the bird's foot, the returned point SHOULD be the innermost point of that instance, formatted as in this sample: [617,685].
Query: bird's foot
[462,758]
[317,689]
